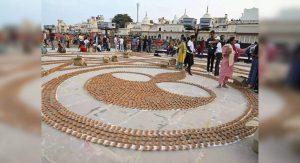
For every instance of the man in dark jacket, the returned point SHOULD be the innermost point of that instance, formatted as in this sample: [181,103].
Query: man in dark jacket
[211,48]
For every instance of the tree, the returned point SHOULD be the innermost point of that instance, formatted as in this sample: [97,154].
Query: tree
[121,20]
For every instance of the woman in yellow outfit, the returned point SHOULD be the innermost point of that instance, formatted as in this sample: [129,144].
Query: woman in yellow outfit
[181,53]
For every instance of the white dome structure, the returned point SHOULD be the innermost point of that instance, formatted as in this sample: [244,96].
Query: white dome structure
[206,15]
[146,20]
[175,20]
[183,16]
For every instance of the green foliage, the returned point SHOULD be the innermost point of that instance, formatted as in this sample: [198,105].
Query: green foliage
[121,20]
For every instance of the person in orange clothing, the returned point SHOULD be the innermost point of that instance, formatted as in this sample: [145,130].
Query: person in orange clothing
[82,47]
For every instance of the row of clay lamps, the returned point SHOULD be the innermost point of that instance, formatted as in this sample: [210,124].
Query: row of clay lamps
[144,95]
[47,72]
[128,62]
[56,115]
[53,62]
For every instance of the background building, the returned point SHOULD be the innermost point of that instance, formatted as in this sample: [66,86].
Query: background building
[245,29]
[250,14]
[62,27]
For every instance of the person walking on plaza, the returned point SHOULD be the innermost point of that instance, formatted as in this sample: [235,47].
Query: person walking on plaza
[116,42]
[250,51]
[144,44]
[218,56]
[201,48]
[211,48]
[133,44]
[121,44]
[139,42]
[181,53]
[227,63]
[97,39]
[108,41]
[105,44]
[63,40]
[125,44]
[45,38]
[86,43]
[67,41]
[149,44]
[81,39]
[253,75]
[186,58]
[52,38]
[237,46]
[190,54]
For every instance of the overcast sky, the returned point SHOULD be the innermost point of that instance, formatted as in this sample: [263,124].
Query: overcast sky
[76,11]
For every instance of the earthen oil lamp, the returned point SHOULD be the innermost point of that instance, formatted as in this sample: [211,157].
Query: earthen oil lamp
[145,147]
[89,138]
[79,135]
[74,133]
[137,147]
[94,140]
[159,148]
[107,143]
[180,147]
[69,131]
[121,145]
[83,137]
[114,144]
[187,146]
[173,148]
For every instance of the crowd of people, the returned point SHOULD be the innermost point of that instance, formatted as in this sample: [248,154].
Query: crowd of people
[139,44]
[221,55]
[97,42]
[221,58]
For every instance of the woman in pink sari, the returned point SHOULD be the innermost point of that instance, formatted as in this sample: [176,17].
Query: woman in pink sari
[227,63]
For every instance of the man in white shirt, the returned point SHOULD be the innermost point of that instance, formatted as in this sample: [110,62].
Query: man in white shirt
[237,46]
[121,44]
[80,37]
[86,43]
[218,56]
[190,54]
[116,43]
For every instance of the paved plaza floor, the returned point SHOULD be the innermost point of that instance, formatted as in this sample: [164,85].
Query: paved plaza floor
[134,110]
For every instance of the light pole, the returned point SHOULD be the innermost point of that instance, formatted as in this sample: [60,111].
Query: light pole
[137,12]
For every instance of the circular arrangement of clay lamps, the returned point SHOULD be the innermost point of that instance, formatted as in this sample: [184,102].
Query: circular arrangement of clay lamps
[112,90]
[56,115]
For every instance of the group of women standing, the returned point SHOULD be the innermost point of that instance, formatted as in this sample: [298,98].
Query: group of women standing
[186,51]
[185,55]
